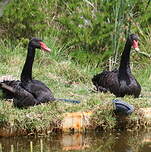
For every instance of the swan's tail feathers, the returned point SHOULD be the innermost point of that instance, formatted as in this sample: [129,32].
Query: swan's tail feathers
[68,100]
[7,83]
[7,86]
[7,91]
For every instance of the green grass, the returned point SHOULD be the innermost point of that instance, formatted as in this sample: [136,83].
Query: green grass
[68,80]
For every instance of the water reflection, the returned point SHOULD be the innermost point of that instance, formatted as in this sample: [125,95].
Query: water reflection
[146,143]
[74,142]
[94,142]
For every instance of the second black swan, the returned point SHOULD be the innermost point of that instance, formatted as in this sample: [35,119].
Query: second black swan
[29,92]
[120,81]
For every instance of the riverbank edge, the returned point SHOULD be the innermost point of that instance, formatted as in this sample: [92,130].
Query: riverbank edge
[82,122]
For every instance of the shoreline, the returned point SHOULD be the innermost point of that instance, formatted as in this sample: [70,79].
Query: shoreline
[82,122]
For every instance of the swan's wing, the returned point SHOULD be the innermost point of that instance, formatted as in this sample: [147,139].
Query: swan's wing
[106,79]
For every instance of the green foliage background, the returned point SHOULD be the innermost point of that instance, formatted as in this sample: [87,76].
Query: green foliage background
[90,31]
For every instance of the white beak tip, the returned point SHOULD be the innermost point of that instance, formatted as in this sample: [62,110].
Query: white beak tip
[137,49]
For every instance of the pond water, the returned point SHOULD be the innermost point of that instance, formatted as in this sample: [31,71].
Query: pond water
[91,142]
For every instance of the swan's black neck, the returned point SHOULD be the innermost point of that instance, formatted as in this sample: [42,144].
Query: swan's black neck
[26,74]
[125,59]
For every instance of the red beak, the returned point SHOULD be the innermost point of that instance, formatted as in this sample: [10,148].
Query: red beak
[135,45]
[44,47]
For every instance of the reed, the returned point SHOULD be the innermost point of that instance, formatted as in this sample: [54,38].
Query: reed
[41,145]
[31,146]
[12,148]
[1,147]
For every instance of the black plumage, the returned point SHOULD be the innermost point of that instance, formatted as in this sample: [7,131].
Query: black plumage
[29,92]
[120,81]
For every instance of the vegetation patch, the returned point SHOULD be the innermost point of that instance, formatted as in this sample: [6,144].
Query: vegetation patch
[86,37]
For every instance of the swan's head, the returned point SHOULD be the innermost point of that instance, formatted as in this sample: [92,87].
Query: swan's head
[134,41]
[39,44]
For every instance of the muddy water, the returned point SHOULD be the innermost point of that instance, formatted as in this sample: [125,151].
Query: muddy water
[94,142]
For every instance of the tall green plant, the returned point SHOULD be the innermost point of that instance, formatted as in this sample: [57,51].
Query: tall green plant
[99,26]
[86,24]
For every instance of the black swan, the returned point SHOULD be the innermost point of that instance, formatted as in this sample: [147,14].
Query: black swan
[29,92]
[120,81]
